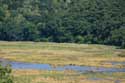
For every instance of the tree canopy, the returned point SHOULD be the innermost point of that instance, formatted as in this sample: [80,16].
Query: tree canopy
[79,21]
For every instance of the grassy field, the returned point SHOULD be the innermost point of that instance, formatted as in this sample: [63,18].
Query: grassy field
[63,54]
[35,76]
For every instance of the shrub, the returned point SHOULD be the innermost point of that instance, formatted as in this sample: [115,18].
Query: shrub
[5,74]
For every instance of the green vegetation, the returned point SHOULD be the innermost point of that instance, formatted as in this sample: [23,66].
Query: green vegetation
[85,22]
[5,74]
[79,21]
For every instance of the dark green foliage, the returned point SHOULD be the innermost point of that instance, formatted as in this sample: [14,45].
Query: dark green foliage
[80,21]
[5,76]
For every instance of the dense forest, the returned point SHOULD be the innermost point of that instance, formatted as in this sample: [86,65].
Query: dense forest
[79,21]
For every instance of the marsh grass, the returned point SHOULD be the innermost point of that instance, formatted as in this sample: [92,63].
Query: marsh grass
[63,54]
[37,76]
[60,53]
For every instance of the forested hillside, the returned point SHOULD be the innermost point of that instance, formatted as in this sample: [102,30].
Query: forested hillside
[79,21]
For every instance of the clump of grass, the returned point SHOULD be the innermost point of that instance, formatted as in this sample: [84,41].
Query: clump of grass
[121,54]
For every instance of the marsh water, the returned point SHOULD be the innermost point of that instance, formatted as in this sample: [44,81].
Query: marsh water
[23,65]
[80,69]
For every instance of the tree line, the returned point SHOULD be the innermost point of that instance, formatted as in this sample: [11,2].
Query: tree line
[79,21]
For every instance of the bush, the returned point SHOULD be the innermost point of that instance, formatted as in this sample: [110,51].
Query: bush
[5,74]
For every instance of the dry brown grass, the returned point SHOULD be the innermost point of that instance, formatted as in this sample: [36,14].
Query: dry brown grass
[60,54]
[37,76]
